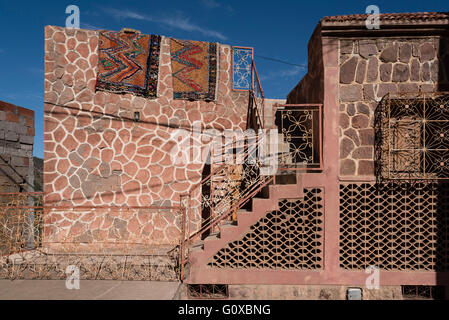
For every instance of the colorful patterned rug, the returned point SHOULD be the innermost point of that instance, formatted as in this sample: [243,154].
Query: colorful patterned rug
[194,67]
[128,63]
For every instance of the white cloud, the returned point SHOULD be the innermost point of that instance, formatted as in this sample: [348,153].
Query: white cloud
[179,22]
[210,3]
[89,26]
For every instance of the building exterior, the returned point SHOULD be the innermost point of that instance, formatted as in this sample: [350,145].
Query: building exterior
[360,193]
[348,219]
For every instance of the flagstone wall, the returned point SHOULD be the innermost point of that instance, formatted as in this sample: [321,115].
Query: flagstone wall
[371,68]
[97,155]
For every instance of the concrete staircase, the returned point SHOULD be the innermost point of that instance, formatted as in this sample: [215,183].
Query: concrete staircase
[202,251]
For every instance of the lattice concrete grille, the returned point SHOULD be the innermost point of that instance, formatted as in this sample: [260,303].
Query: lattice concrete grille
[289,238]
[394,226]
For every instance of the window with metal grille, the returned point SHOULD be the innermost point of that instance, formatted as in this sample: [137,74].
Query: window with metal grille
[299,144]
[423,292]
[207,291]
[412,137]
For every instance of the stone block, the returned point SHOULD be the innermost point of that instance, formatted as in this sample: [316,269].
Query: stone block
[401,72]
[347,70]
[426,52]
[351,109]
[363,109]
[346,147]
[389,54]
[425,72]
[361,70]
[344,120]
[363,153]
[385,88]
[408,87]
[366,137]
[414,70]
[372,72]
[368,92]
[351,93]
[346,46]
[360,121]
[367,48]
[353,135]
[385,72]
[405,52]
[347,167]
[365,167]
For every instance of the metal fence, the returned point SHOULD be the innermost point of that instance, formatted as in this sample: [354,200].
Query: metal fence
[26,252]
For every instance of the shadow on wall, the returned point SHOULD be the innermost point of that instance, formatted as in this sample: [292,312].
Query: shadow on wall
[443,199]
[16,178]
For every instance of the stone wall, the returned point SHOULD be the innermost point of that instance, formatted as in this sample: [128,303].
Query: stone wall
[96,155]
[301,292]
[16,148]
[371,68]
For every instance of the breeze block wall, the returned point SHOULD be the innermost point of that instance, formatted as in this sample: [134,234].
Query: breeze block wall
[371,68]
[16,148]
[96,155]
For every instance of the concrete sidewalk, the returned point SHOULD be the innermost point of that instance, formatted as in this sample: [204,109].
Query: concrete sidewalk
[89,290]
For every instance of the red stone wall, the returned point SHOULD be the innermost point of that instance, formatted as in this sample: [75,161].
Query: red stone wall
[369,69]
[96,155]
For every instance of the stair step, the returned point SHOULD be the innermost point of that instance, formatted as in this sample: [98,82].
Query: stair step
[212,236]
[227,223]
[197,248]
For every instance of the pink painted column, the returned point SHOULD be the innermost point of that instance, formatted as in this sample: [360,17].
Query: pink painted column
[330,157]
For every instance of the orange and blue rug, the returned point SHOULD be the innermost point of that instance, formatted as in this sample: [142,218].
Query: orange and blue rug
[194,68]
[128,63]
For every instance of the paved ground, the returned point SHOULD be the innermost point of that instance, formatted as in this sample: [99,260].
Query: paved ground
[89,290]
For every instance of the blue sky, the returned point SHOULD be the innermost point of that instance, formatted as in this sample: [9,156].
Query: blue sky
[276,29]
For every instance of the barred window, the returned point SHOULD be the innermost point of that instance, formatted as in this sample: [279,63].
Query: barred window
[412,136]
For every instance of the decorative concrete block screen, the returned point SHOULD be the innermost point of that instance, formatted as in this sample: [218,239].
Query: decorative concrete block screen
[290,238]
[394,226]
[96,154]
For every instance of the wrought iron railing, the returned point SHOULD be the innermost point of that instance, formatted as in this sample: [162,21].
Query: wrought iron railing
[231,184]
[412,137]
